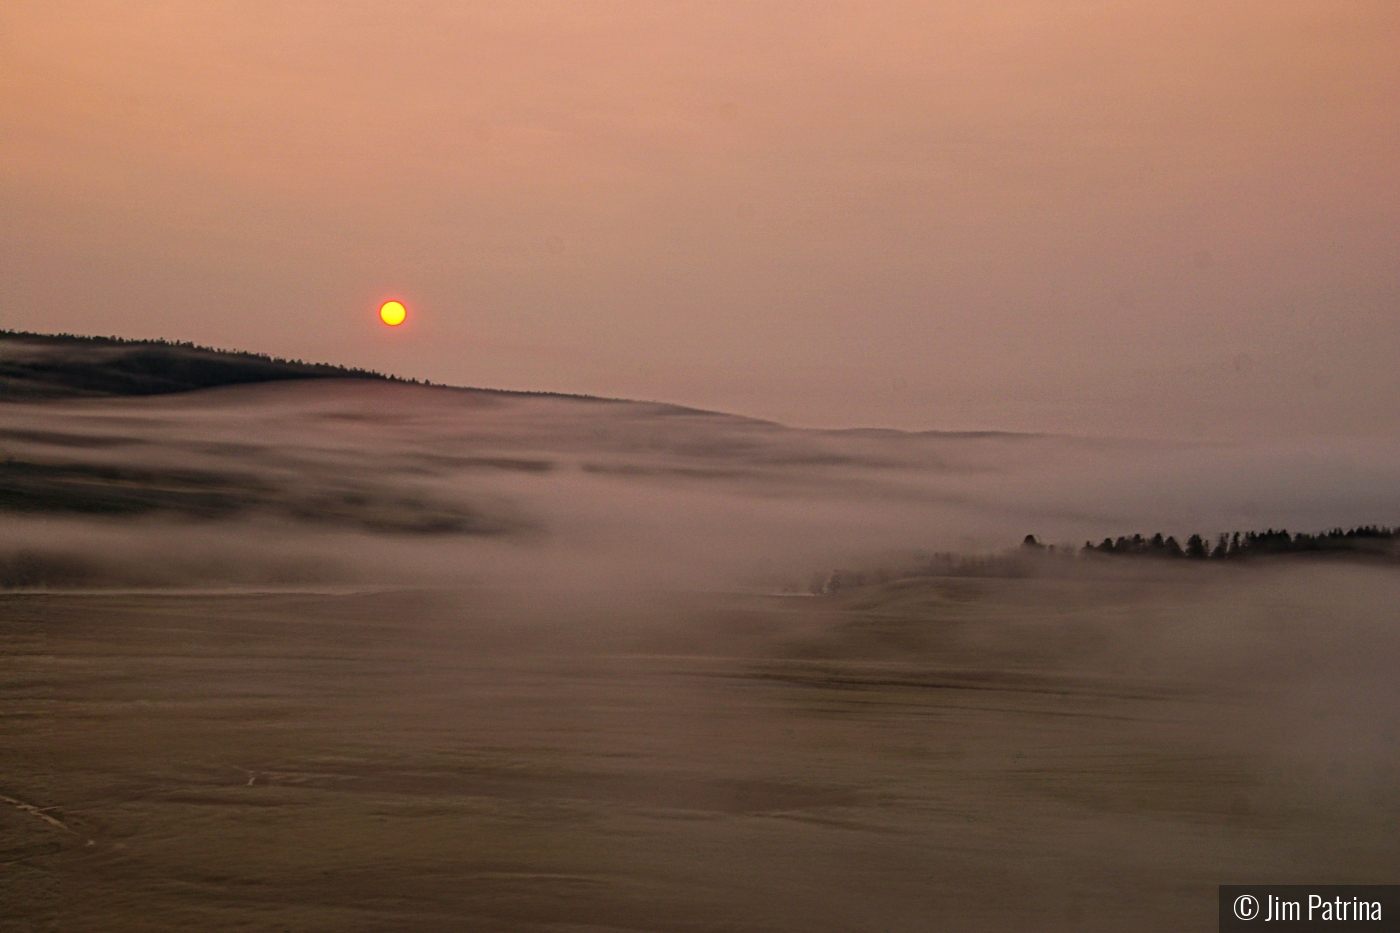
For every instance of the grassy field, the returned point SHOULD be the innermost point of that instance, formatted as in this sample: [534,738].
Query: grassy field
[1080,753]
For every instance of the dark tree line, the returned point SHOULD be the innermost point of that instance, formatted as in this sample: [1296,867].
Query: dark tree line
[1033,557]
[1366,539]
[69,365]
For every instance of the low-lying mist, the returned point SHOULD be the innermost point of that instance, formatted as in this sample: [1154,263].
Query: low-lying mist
[344,481]
[352,653]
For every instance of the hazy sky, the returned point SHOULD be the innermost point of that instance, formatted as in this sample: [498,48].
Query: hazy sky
[1178,218]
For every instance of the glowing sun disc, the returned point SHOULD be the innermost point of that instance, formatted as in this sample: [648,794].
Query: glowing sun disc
[392,313]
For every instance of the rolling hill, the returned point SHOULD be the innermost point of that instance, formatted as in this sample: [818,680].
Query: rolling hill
[45,366]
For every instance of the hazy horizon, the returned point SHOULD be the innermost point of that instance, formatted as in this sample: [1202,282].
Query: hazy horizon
[1094,218]
[285,646]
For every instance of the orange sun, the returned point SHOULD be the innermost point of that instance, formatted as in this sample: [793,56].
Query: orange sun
[392,313]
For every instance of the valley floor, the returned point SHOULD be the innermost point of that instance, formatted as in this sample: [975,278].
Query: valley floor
[1043,754]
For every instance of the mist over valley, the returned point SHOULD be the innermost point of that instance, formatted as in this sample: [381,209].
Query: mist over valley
[347,651]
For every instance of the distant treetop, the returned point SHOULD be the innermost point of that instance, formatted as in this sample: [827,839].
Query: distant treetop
[1371,539]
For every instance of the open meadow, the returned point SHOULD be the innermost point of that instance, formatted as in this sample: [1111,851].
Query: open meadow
[940,753]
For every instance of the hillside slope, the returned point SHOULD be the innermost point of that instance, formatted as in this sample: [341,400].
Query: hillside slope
[45,366]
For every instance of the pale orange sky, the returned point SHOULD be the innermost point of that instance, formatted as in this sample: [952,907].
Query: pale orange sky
[1174,219]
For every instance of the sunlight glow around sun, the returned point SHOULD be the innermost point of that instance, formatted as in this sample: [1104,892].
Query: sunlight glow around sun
[392,313]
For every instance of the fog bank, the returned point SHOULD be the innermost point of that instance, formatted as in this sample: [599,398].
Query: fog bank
[381,483]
